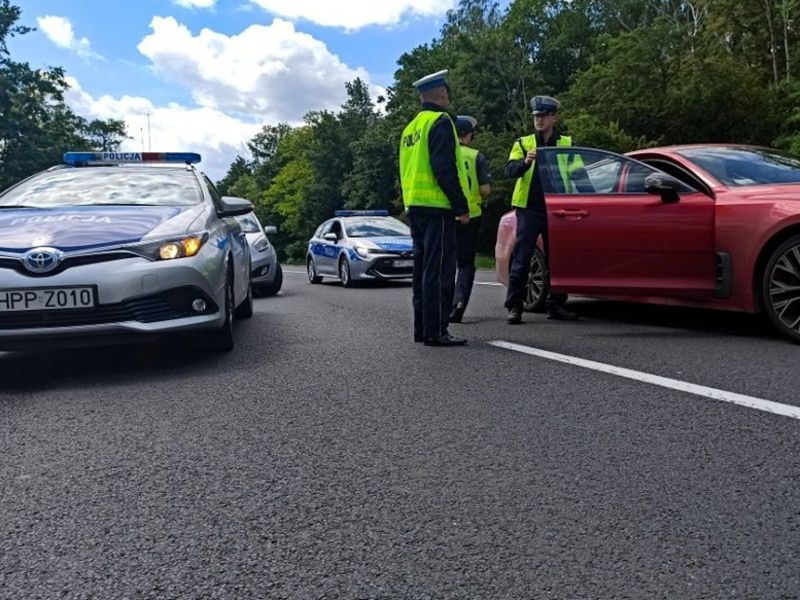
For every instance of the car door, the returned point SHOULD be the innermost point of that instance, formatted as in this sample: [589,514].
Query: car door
[329,249]
[608,235]
[240,251]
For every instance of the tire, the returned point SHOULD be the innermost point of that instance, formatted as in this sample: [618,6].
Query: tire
[311,270]
[222,339]
[780,288]
[245,309]
[538,285]
[274,287]
[344,273]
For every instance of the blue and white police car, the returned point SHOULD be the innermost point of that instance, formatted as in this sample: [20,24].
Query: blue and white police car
[111,246]
[360,245]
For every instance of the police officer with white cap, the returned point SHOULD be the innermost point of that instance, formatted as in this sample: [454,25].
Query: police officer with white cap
[433,179]
[480,186]
[528,200]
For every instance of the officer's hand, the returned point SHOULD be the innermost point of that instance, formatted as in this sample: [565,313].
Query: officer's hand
[463,219]
[530,157]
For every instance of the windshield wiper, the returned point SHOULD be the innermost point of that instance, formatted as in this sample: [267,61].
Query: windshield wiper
[23,206]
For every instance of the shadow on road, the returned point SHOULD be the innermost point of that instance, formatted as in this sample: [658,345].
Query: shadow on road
[690,320]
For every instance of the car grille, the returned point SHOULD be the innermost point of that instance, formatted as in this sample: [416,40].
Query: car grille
[66,263]
[384,267]
[174,304]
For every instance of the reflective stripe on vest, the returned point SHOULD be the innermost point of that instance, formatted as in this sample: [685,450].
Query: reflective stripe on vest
[417,180]
[522,187]
[473,191]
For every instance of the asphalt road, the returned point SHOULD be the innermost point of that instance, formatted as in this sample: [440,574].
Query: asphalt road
[329,456]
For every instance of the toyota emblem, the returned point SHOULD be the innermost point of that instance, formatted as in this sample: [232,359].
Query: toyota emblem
[42,260]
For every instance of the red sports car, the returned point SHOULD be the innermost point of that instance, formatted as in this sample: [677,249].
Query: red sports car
[711,226]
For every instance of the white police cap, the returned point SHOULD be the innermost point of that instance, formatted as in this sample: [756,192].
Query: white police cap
[544,104]
[434,80]
[465,124]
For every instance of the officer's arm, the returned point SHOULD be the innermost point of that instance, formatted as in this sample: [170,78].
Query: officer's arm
[442,149]
[516,167]
[484,175]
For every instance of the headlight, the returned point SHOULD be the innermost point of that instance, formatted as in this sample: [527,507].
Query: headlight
[261,244]
[365,252]
[180,248]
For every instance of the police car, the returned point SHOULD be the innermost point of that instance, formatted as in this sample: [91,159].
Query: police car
[359,245]
[266,273]
[112,246]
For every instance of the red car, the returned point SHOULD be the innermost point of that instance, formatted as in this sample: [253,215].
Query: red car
[711,226]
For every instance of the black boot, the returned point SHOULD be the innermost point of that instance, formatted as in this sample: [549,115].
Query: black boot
[457,313]
[515,315]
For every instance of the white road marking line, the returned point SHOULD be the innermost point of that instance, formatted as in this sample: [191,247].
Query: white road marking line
[489,283]
[295,272]
[769,406]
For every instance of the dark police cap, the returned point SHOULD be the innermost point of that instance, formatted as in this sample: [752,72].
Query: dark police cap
[434,80]
[544,104]
[465,124]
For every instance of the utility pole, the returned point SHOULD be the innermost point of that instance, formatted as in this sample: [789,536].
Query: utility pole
[149,140]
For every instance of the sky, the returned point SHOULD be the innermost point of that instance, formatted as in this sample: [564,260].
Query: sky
[206,75]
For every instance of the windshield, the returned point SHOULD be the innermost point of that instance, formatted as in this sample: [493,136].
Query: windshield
[249,224]
[376,227]
[745,166]
[106,185]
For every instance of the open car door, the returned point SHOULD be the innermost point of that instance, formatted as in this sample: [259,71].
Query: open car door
[618,226]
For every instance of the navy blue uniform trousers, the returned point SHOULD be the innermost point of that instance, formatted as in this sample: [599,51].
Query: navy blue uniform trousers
[531,223]
[466,249]
[434,238]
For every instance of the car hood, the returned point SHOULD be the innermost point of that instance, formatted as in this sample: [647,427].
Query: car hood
[395,244]
[86,227]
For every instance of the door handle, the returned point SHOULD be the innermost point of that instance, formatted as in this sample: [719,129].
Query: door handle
[571,214]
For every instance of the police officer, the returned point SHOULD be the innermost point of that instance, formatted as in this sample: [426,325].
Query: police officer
[433,178]
[480,186]
[528,200]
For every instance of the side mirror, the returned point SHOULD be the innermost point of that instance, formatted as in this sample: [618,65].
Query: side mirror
[270,230]
[233,207]
[330,237]
[662,185]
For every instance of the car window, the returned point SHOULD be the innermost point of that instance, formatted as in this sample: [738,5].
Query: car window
[745,166]
[336,227]
[677,171]
[87,186]
[215,196]
[376,227]
[585,171]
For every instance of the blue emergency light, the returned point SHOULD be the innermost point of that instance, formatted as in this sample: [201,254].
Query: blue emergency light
[361,213]
[81,159]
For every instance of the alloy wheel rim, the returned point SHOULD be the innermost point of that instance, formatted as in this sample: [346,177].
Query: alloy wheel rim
[344,273]
[312,272]
[784,289]
[535,281]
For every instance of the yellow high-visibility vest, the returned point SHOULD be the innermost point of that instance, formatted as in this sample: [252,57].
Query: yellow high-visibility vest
[522,187]
[419,185]
[473,193]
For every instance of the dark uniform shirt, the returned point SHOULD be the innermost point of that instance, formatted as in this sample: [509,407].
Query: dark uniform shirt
[442,150]
[482,167]
[517,168]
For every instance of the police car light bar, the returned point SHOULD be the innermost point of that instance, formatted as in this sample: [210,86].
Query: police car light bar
[361,213]
[79,159]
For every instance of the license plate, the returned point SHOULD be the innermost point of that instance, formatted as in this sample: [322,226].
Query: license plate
[46,299]
[403,264]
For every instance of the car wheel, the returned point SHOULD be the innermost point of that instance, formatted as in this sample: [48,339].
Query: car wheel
[245,309]
[222,339]
[780,287]
[277,283]
[311,269]
[344,273]
[538,287]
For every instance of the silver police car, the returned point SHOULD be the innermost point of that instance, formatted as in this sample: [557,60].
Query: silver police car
[360,245]
[101,250]
[266,273]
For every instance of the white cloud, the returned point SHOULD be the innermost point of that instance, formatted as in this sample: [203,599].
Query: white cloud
[173,128]
[195,3]
[59,31]
[274,72]
[355,14]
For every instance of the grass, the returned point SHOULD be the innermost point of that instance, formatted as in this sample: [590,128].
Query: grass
[484,262]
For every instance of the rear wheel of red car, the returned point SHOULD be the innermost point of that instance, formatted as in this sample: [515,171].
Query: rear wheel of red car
[781,288]
[538,287]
